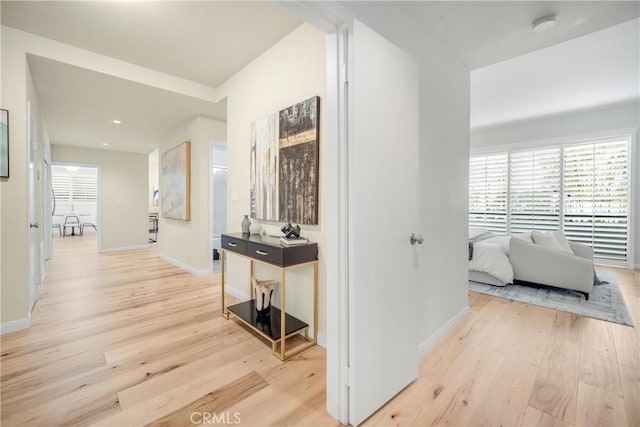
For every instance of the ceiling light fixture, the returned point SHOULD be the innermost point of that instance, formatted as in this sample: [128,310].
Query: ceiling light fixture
[105,143]
[116,121]
[544,23]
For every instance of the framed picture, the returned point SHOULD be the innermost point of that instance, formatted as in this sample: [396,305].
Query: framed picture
[175,183]
[4,144]
[298,157]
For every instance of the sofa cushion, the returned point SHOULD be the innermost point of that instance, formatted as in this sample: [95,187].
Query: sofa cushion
[526,236]
[562,241]
[545,240]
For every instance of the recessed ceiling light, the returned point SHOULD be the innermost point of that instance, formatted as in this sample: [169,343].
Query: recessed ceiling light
[544,23]
[116,121]
[105,143]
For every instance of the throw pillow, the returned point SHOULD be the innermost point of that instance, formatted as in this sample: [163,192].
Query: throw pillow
[562,241]
[526,236]
[546,240]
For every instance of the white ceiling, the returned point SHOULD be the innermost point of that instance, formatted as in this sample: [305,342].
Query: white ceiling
[205,42]
[208,42]
[79,106]
[601,68]
[486,32]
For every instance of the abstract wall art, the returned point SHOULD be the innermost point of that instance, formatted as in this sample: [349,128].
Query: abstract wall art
[264,164]
[175,182]
[298,152]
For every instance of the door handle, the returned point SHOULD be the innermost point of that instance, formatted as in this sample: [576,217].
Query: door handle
[33,225]
[416,238]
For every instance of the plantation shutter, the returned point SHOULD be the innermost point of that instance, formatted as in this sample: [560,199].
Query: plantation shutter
[534,190]
[596,189]
[84,188]
[488,182]
[61,184]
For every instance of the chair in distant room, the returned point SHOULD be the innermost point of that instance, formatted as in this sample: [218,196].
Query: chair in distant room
[57,222]
[88,221]
[71,221]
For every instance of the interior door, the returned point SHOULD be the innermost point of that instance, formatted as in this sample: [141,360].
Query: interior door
[383,211]
[34,245]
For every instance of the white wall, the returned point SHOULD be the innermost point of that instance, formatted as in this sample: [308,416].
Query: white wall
[14,264]
[186,243]
[289,72]
[601,119]
[604,119]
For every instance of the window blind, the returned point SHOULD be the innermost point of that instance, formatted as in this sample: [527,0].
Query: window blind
[596,203]
[582,189]
[534,190]
[488,185]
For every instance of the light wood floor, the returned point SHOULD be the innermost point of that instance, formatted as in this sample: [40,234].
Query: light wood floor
[127,339]
[511,364]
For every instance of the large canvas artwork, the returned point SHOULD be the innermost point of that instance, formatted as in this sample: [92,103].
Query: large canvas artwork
[4,144]
[264,163]
[175,182]
[298,145]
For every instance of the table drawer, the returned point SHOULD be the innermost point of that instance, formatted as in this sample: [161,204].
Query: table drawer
[235,245]
[266,253]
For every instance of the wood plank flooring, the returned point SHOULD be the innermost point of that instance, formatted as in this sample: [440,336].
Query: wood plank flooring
[128,339]
[511,364]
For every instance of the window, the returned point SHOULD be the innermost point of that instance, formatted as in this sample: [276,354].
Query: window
[582,189]
[596,203]
[534,190]
[488,178]
[74,184]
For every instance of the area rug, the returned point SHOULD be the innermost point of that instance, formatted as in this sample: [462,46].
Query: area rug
[605,300]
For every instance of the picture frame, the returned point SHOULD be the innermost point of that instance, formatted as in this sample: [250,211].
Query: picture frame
[175,182]
[4,143]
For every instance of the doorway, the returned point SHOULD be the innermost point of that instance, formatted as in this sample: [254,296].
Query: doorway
[74,200]
[218,202]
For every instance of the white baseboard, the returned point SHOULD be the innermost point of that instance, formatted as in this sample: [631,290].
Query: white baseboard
[637,266]
[184,266]
[241,295]
[440,333]
[15,325]
[123,248]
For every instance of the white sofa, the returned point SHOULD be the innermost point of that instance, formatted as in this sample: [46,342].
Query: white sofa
[536,264]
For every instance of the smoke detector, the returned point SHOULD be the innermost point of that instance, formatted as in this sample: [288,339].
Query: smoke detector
[544,23]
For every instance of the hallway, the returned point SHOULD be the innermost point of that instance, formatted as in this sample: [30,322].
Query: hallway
[128,339]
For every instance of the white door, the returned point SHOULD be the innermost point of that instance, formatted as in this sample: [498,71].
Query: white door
[34,246]
[383,211]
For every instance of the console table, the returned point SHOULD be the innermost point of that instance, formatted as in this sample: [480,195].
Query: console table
[281,325]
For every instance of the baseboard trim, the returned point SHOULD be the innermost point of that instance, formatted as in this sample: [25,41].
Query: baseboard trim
[241,295]
[182,265]
[123,248]
[637,266]
[15,325]
[442,331]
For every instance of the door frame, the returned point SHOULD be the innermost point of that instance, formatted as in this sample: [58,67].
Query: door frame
[336,22]
[212,143]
